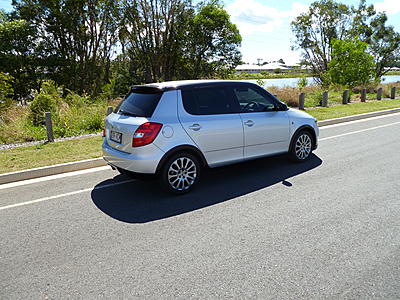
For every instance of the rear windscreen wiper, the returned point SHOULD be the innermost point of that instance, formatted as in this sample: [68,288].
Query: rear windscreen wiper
[126,113]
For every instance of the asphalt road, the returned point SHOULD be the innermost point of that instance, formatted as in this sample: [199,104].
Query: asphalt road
[328,228]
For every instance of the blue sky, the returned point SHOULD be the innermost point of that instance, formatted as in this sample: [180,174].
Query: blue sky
[265,24]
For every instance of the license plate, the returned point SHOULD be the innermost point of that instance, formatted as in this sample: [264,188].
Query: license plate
[116,137]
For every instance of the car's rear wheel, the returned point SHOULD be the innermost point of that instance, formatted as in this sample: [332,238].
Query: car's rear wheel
[301,146]
[180,173]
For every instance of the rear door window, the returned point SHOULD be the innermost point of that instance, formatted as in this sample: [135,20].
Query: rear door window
[139,104]
[208,101]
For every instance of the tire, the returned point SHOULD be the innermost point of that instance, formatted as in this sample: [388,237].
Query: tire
[301,146]
[180,173]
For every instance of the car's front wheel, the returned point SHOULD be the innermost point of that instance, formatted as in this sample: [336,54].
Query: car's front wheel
[301,146]
[180,173]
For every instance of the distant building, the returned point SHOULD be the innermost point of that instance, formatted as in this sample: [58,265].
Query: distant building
[258,69]
[392,69]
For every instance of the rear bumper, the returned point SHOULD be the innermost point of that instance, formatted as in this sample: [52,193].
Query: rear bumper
[145,161]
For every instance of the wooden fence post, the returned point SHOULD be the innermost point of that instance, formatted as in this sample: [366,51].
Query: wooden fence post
[393,93]
[364,95]
[345,98]
[301,100]
[49,127]
[109,110]
[324,102]
[379,94]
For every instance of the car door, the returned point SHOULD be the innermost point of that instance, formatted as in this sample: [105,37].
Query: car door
[208,116]
[266,129]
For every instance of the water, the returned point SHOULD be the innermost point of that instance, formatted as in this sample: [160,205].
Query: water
[292,82]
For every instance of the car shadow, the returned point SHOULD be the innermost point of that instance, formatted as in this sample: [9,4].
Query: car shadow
[144,201]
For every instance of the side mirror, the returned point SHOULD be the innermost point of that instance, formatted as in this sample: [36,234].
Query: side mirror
[282,107]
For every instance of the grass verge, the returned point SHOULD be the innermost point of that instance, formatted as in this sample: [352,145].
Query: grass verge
[73,150]
[22,158]
[325,113]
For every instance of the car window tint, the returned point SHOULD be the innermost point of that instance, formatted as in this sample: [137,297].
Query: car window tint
[189,101]
[252,99]
[207,101]
[139,104]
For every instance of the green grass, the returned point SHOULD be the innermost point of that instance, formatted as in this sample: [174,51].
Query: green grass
[393,73]
[49,154]
[325,113]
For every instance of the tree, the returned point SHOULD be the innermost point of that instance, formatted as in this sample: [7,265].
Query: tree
[384,44]
[315,31]
[328,20]
[20,54]
[78,37]
[213,43]
[165,40]
[153,35]
[6,90]
[351,65]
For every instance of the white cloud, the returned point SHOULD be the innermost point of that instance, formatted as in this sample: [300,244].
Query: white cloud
[391,7]
[251,16]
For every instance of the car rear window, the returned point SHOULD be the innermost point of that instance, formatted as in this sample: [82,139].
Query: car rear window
[139,104]
[207,101]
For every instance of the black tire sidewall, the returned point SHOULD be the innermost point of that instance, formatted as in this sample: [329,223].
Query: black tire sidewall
[163,177]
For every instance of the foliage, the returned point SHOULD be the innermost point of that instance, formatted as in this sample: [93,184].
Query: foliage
[315,30]
[20,55]
[46,100]
[351,65]
[6,91]
[327,21]
[302,83]
[77,39]
[384,45]
[172,40]
[260,82]
[213,43]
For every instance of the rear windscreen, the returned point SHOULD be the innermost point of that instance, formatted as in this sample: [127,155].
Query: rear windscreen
[138,104]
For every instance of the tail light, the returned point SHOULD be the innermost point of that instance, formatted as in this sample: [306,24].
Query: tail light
[104,132]
[145,134]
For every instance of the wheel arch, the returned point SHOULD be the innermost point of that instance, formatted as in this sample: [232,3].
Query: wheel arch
[307,128]
[183,148]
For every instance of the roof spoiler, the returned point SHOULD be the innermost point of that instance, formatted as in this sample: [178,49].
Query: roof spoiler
[146,89]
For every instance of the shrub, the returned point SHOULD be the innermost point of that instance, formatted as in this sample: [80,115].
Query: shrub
[6,91]
[351,65]
[302,83]
[46,100]
[74,99]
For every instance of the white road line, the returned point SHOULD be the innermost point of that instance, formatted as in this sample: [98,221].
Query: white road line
[52,177]
[64,195]
[359,121]
[358,131]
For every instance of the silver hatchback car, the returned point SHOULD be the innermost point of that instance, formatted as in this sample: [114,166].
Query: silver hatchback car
[174,129]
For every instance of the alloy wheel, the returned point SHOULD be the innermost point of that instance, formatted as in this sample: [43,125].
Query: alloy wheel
[182,173]
[303,146]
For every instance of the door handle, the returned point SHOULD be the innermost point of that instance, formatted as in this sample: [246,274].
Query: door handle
[249,123]
[195,127]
